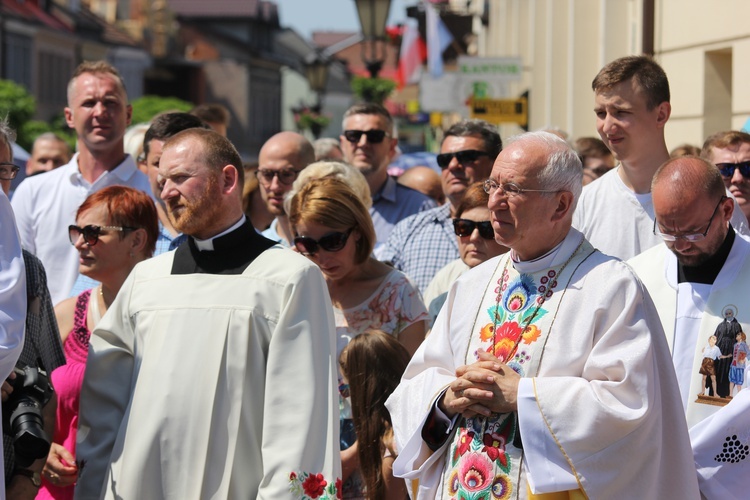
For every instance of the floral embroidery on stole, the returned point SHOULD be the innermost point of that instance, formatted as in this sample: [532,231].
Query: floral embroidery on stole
[482,462]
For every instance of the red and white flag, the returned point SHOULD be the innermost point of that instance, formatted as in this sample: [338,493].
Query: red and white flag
[413,52]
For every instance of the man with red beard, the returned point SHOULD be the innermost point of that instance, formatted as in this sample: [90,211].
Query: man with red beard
[213,372]
[699,280]
[281,159]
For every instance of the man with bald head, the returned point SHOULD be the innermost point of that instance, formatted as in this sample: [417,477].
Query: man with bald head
[425,180]
[281,159]
[699,280]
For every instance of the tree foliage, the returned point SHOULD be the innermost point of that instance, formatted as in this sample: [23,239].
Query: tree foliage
[148,106]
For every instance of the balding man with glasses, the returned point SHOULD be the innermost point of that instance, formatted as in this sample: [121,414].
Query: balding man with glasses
[369,144]
[424,243]
[281,159]
[699,280]
[546,370]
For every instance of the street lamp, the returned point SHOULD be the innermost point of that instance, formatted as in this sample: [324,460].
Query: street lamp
[316,72]
[373,15]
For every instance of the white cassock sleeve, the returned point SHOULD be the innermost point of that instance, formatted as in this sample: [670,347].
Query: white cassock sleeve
[721,449]
[12,296]
[301,412]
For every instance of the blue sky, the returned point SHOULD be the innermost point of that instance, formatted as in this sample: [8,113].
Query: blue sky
[307,16]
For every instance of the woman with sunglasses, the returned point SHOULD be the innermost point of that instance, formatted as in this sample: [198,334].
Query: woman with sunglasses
[115,229]
[333,228]
[476,244]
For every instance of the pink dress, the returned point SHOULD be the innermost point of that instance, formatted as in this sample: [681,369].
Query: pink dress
[67,380]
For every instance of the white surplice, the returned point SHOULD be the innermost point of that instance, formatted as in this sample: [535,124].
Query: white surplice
[601,412]
[204,386]
[687,335]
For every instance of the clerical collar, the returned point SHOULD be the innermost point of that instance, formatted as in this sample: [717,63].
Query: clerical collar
[208,245]
[556,256]
[707,272]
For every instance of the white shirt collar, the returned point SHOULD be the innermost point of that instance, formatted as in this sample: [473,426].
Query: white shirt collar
[208,245]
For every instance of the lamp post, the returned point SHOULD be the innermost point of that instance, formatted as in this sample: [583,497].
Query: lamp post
[373,15]
[316,72]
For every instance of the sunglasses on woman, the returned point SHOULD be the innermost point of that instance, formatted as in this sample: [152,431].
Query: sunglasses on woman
[331,242]
[464,228]
[91,232]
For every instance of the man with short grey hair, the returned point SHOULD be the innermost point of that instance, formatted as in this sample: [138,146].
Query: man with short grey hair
[424,243]
[547,365]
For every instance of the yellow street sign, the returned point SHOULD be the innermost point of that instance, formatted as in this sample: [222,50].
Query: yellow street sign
[501,110]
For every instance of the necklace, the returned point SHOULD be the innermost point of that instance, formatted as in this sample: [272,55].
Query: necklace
[545,290]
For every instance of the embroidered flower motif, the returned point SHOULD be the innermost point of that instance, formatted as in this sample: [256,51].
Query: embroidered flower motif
[506,336]
[519,291]
[339,488]
[502,488]
[310,486]
[314,485]
[530,334]
[474,472]
[453,483]
[486,332]
[494,447]
[464,441]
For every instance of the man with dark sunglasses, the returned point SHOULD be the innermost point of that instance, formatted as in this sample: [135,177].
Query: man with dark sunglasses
[424,243]
[368,144]
[699,280]
[281,159]
[214,369]
[730,152]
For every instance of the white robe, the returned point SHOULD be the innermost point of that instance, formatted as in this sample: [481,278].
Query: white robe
[620,222]
[604,409]
[204,386]
[12,298]
[708,423]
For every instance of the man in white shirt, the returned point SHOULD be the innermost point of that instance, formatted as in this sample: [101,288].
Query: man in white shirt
[45,204]
[699,280]
[616,213]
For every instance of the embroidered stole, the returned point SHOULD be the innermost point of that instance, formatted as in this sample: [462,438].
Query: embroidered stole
[514,320]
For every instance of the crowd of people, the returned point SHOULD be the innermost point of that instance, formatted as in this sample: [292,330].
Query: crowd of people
[540,319]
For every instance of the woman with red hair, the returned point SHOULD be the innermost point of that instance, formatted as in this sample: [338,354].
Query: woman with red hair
[115,229]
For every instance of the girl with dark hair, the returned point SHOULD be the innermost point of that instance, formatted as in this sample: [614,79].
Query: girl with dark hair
[373,364]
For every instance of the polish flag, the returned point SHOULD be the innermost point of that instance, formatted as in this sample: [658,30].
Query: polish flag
[413,52]
[438,39]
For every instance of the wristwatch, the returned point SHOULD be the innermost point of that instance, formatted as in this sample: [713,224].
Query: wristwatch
[34,477]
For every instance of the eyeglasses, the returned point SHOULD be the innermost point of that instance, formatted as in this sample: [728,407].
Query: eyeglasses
[692,238]
[331,242]
[727,169]
[463,157]
[512,189]
[91,232]
[286,176]
[373,136]
[8,171]
[465,228]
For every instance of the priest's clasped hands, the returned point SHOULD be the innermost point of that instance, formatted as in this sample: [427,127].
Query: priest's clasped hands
[484,387]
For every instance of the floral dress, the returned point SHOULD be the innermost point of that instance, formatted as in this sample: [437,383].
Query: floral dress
[394,306]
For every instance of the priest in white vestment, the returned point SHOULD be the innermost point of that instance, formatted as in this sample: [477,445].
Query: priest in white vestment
[700,283]
[212,375]
[546,371]
[12,294]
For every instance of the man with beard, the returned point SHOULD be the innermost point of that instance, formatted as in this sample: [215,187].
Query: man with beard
[213,373]
[698,276]
[281,159]
[45,204]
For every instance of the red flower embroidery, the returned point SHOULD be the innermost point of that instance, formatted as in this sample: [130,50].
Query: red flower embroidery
[494,447]
[510,330]
[314,485]
[486,332]
[464,441]
[339,488]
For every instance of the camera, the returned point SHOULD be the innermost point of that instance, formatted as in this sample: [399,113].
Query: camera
[22,414]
